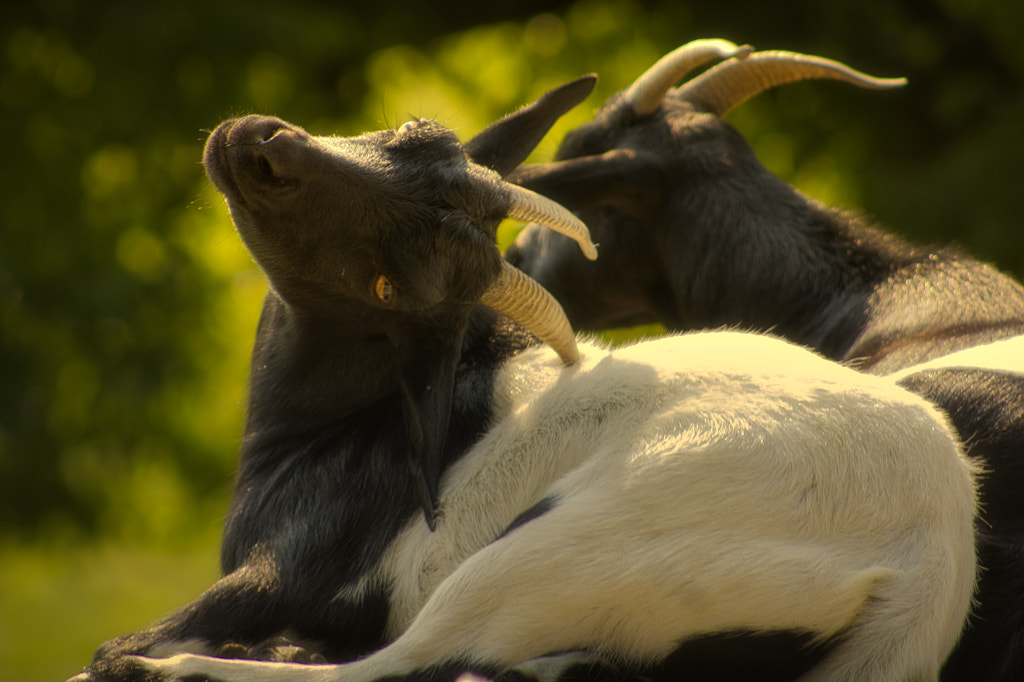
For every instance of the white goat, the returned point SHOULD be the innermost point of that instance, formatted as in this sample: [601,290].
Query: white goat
[699,484]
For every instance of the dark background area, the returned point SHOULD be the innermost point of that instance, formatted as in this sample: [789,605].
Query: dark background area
[127,304]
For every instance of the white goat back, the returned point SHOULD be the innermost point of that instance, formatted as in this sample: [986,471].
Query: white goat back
[700,483]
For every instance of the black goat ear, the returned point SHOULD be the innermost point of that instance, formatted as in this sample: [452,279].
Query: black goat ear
[427,378]
[624,178]
[505,144]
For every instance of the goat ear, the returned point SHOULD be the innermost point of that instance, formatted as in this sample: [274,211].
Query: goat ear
[624,178]
[505,144]
[427,378]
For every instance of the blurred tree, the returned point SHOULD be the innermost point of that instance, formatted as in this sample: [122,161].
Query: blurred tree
[127,305]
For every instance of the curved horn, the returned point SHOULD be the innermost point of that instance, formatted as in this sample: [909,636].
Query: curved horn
[646,93]
[524,300]
[729,84]
[535,208]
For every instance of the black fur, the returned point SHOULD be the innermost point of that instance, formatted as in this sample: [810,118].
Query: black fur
[742,656]
[535,512]
[987,409]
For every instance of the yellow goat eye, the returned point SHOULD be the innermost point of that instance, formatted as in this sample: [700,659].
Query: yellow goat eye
[384,289]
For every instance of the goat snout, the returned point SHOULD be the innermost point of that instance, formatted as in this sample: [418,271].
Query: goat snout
[269,147]
[256,130]
[247,156]
[284,153]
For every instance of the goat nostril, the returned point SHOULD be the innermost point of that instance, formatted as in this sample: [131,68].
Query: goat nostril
[264,165]
[281,154]
[273,134]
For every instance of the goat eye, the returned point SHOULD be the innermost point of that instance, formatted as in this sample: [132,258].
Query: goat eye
[384,289]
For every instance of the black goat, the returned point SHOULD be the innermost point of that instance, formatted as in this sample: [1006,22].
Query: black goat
[372,366]
[424,485]
[697,233]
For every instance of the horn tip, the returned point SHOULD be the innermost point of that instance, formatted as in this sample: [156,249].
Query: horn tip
[569,356]
[742,52]
[884,83]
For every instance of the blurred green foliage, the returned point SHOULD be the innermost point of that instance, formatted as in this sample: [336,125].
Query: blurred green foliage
[127,304]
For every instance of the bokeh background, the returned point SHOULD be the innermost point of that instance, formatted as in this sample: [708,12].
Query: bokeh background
[128,305]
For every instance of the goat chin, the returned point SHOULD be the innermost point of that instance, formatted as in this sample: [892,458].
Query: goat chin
[697,484]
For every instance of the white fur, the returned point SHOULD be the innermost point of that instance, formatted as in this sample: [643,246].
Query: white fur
[704,482]
[1006,355]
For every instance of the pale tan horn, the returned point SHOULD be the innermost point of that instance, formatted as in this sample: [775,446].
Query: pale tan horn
[525,301]
[729,84]
[535,208]
[647,91]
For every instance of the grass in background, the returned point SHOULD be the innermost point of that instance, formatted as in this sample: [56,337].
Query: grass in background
[58,603]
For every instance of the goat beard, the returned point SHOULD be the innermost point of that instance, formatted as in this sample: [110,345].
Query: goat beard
[427,380]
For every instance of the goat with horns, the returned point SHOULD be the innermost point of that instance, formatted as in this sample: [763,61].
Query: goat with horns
[426,489]
[696,233]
